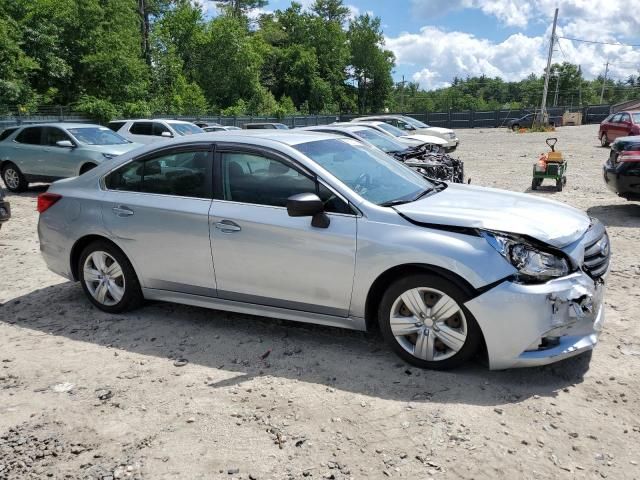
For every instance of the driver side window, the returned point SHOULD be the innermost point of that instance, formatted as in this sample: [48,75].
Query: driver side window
[259,180]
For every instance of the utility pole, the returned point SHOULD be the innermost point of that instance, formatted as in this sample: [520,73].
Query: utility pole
[604,82]
[403,83]
[543,108]
[580,86]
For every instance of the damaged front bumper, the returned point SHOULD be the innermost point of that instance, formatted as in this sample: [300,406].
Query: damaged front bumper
[527,325]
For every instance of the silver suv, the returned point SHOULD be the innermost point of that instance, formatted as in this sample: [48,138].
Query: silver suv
[318,228]
[151,131]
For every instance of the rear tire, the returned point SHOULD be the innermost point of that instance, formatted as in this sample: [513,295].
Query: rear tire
[108,279]
[423,319]
[13,178]
[559,184]
[86,167]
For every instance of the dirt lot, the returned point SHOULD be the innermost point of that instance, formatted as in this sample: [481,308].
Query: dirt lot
[84,394]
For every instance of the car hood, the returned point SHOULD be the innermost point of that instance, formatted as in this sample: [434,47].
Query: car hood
[114,149]
[551,222]
[427,139]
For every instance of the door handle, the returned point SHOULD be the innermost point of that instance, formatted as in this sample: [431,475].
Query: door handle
[227,226]
[122,211]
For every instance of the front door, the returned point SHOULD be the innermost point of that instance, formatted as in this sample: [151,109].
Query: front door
[156,209]
[61,161]
[261,254]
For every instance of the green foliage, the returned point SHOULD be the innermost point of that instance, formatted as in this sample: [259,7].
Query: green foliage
[101,111]
[165,56]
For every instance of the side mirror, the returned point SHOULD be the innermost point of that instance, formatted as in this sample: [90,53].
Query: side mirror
[65,144]
[308,205]
[409,127]
[166,134]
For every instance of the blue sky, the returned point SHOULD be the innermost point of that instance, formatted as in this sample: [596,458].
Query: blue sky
[435,40]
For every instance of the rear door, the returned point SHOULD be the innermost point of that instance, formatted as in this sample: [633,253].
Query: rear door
[28,152]
[157,210]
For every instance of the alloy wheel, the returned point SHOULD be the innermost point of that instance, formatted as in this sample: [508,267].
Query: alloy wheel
[11,178]
[428,324]
[604,141]
[104,278]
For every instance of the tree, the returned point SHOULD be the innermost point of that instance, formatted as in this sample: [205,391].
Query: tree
[239,8]
[228,65]
[371,64]
[15,67]
[331,11]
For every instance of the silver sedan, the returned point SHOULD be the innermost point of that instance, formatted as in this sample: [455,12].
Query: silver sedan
[323,229]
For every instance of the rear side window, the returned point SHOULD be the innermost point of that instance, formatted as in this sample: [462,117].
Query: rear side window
[115,126]
[30,136]
[141,128]
[185,174]
[6,132]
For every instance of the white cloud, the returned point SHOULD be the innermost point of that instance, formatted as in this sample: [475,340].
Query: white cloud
[438,55]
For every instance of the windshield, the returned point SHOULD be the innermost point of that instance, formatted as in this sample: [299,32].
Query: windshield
[381,141]
[370,173]
[186,128]
[97,136]
[395,131]
[636,117]
[415,123]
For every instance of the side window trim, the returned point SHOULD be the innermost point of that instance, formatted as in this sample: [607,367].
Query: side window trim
[210,148]
[222,148]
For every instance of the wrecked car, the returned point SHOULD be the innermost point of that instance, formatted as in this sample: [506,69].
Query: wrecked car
[422,158]
[322,229]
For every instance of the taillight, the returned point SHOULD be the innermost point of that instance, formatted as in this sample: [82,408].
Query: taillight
[46,200]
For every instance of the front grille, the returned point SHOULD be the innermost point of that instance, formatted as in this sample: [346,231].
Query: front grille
[597,250]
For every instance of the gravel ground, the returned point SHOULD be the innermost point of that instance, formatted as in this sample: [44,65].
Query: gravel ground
[171,391]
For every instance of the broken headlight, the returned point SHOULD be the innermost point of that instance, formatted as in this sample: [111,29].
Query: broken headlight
[531,262]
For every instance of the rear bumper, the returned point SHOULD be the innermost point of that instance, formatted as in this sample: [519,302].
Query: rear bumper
[531,325]
[623,180]
[5,211]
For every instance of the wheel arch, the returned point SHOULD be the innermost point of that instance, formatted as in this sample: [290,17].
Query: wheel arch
[81,244]
[86,166]
[380,284]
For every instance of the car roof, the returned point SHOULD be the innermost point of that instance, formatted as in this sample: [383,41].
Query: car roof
[168,120]
[61,124]
[286,137]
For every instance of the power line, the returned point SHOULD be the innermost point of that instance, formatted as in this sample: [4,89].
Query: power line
[599,43]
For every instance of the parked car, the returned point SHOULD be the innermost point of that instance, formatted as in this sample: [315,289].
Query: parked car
[149,131]
[435,143]
[220,128]
[418,157]
[265,125]
[201,124]
[621,124]
[622,168]
[522,122]
[414,126]
[48,152]
[5,208]
[293,230]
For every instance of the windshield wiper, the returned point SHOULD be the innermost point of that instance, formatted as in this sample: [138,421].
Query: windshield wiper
[391,203]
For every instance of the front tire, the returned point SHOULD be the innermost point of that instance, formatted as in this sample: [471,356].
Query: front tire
[423,318]
[108,278]
[515,127]
[604,140]
[14,179]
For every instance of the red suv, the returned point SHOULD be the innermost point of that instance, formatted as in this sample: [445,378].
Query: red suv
[621,124]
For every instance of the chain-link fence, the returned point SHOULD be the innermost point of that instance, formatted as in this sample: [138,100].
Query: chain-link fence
[450,119]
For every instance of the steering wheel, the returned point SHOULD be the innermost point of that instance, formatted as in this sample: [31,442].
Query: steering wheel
[363,182]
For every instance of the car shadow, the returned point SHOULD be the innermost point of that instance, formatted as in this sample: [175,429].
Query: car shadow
[254,346]
[618,215]
[542,189]
[33,191]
